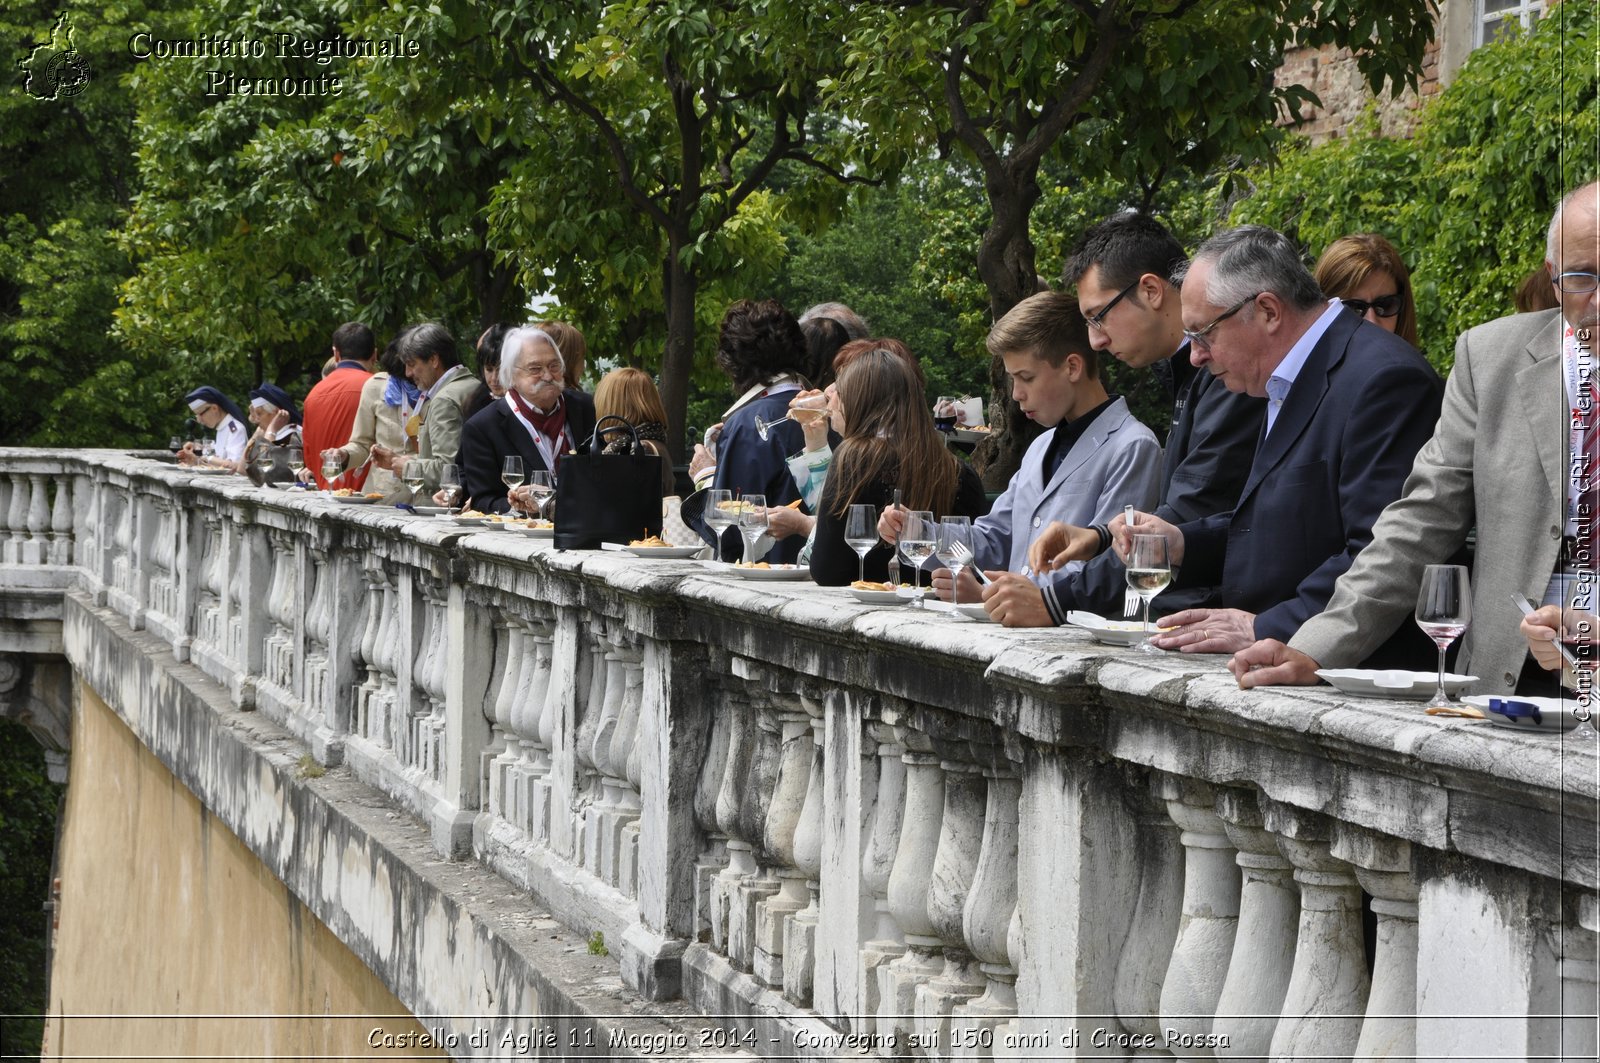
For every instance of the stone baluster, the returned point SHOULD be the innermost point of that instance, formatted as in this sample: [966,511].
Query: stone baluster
[730,795]
[370,721]
[1210,912]
[209,596]
[61,552]
[524,700]
[497,753]
[796,752]
[586,786]
[766,757]
[800,934]
[7,498]
[600,822]
[887,942]
[987,920]
[909,884]
[714,856]
[36,551]
[625,756]
[1383,866]
[1263,947]
[1328,988]
[541,695]
[1147,952]
[1576,945]
[121,543]
[954,868]
[282,609]
[428,709]
[319,629]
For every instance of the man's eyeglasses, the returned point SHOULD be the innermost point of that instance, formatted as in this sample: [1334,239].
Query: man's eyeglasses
[1577,283]
[534,369]
[1098,320]
[1198,336]
[1383,305]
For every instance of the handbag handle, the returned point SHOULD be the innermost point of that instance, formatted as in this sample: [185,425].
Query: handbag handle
[595,446]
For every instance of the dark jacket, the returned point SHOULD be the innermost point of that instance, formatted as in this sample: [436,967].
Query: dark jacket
[494,433]
[1362,406]
[1203,469]
[833,562]
[750,465]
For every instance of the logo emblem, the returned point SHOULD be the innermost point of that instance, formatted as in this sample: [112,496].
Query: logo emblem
[56,70]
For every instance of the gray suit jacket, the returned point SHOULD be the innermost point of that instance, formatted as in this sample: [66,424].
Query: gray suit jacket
[1497,461]
[1116,463]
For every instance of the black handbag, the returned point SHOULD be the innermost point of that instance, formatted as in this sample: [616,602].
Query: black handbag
[612,498]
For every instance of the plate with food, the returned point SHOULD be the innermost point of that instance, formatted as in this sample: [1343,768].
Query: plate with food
[472,518]
[874,593]
[656,546]
[1110,632]
[761,570]
[533,528]
[355,498]
[1528,714]
[1393,682]
[209,470]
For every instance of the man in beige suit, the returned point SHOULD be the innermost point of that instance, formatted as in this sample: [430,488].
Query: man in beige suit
[1498,461]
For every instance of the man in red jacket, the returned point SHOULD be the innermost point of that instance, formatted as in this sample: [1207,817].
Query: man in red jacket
[329,412]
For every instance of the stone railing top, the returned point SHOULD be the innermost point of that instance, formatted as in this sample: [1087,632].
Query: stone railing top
[1447,784]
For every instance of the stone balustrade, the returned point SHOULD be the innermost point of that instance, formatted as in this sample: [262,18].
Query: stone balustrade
[873,831]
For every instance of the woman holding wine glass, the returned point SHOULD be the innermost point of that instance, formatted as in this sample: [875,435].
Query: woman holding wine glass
[889,443]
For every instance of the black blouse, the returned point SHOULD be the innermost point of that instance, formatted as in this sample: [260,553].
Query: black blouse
[833,563]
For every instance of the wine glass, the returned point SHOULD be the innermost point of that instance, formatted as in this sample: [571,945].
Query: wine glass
[450,485]
[332,466]
[916,544]
[411,475]
[511,476]
[297,465]
[718,515]
[208,450]
[175,444]
[944,413]
[861,535]
[954,549]
[752,523]
[264,460]
[540,483]
[1148,575]
[1444,609]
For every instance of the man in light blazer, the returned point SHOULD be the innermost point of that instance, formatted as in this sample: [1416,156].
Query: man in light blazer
[1498,461]
[1096,458]
[1349,404]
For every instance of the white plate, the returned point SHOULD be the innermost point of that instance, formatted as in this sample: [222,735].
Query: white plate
[430,511]
[1528,714]
[532,533]
[780,572]
[1110,632]
[356,500]
[877,597]
[1393,682]
[968,435]
[471,522]
[972,611]
[663,551]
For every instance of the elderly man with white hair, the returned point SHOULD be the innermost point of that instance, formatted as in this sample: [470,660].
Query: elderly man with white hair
[536,419]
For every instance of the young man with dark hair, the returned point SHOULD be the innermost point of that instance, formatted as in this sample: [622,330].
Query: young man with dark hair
[329,412]
[1095,459]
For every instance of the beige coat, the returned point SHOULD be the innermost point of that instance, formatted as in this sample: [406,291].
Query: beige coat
[1498,462]
[376,422]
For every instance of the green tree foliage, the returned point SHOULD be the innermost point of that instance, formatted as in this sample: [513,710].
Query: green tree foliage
[1467,198]
[28,807]
[65,185]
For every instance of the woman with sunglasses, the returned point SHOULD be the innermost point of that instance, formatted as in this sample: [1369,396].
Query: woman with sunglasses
[1365,271]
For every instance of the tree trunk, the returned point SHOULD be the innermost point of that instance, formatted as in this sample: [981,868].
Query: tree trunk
[1006,265]
[677,362]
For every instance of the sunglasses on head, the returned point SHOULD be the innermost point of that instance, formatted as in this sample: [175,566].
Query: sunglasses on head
[1383,306]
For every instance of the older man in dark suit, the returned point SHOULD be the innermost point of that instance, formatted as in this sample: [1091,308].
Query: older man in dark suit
[536,420]
[1348,407]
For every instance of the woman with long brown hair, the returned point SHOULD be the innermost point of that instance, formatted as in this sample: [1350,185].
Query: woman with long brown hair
[889,443]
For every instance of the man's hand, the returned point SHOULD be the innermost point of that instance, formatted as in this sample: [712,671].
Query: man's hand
[970,590]
[703,459]
[1207,631]
[384,458]
[1551,623]
[187,455]
[276,423]
[783,521]
[1060,543]
[1122,534]
[891,522]
[1271,663]
[1015,601]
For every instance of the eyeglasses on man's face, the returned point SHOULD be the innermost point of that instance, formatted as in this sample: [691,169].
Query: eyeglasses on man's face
[533,370]
[1577,283]
[1383,305]
[1097,320]
[1199,336]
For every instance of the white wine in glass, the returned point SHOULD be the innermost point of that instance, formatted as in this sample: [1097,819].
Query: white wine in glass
[752,524]
[861,535]
[1148,575]
[917,541]
[1444,609]
[955,549]
[718,516]
[511,476]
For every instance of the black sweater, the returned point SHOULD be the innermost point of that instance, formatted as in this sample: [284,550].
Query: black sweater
[833,563]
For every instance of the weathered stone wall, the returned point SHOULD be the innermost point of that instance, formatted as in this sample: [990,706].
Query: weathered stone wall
[1331,73]
[165,913]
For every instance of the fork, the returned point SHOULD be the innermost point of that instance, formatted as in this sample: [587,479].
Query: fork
[1130,598]
[964,556]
